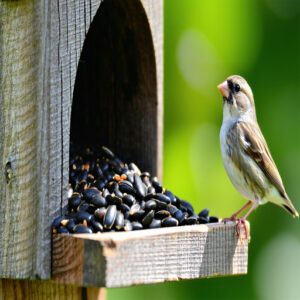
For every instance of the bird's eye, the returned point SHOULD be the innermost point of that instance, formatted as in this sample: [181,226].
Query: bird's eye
[236,87]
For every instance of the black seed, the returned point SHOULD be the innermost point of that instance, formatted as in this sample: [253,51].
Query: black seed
[111,186]
[83,215]
[146,181]
[84,206]
[126,186]
[110,217]
[74,201]
[150,204]
[155,223]
[189,208]
[124,208]
[100,213]
[107,152]
[145,174]
[169,222]
[186,215]
[97,226]
[90,193]
[139,186]
[109,175]
[117,192]
[162,197]
[116,168]
[177,202]
[105,193]
[161,214]
[134,208]
[130,176]
[57,220]
[98,201]
[128,199]
[179,215]
[191,220]
[127,226]
[91,209]
[119,222]
[149,197]
[161,205]
[151,190]
[83,175]
[82,229]
[71,224]
[213,219]
[136,213]
[62,229]
[148,218]
[136,225]
[142,204]
[97,172]
[113,200]
[172,209]
[203,220]
[125,182]
[157,185]
[104,166]
[126,215]
[171,196]
[133,167]
[100,184]
[204,213]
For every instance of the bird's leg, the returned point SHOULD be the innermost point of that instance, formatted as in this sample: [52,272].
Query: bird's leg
[242,221]
[233,217]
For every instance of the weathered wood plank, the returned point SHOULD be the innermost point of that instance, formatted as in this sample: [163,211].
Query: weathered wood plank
[45,290]
[19,66]
[149,256]
[154,11]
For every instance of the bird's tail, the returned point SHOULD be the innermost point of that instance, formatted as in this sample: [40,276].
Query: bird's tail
[288,206]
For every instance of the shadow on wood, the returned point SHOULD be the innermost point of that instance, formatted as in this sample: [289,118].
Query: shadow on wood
[149,256]
[115,95]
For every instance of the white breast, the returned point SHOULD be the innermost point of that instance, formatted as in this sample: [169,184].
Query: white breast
[234,174]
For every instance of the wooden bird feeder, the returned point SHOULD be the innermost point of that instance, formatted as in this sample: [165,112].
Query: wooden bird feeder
[87,71]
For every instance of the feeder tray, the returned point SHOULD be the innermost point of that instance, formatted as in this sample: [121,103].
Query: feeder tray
[149,256]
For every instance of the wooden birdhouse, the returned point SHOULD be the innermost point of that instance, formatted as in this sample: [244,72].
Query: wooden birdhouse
[86,72]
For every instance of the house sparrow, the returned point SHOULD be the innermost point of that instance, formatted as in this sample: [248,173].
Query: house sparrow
[246,156]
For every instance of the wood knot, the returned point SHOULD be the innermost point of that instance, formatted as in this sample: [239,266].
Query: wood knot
[8,172]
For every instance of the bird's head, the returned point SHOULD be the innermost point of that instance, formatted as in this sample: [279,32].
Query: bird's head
[238,99]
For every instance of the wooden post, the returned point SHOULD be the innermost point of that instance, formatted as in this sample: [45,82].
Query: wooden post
[41,46]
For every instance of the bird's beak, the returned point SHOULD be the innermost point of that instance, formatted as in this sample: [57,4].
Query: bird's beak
[223,88]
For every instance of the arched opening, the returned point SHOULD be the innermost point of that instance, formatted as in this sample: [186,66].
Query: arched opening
[115,93]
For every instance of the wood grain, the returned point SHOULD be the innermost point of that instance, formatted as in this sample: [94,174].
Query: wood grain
[19,66]
[45,290]
[149,256]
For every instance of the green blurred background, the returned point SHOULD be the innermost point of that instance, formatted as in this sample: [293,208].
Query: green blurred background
[205,41]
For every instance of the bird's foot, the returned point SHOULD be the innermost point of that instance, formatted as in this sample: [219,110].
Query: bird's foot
[231,219]
[240,225]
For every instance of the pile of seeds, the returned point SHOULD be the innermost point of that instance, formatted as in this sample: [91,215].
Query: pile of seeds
[106,194]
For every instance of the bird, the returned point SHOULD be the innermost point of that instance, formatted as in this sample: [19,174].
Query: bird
[245,153]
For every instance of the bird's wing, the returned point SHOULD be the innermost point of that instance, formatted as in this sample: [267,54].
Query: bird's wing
[254,145]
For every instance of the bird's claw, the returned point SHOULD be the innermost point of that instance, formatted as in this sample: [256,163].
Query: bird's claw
[241,223]
[231,219]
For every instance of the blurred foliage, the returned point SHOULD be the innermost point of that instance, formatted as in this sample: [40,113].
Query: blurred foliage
[205,41]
